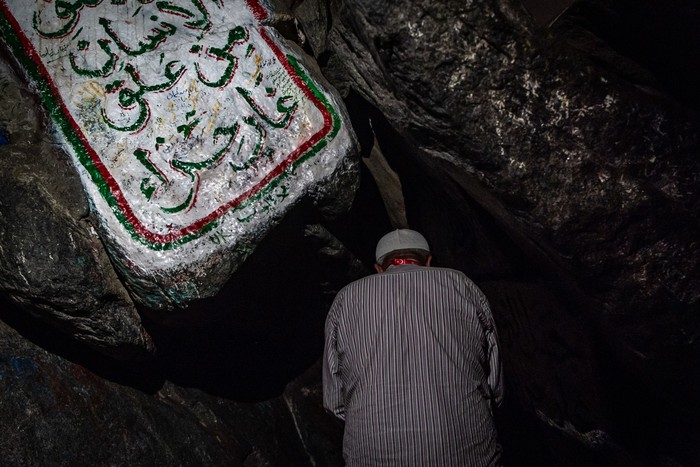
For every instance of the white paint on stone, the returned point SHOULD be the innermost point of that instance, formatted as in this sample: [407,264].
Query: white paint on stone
[193,127]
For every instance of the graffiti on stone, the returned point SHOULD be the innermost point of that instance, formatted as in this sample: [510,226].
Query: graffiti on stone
[183,116]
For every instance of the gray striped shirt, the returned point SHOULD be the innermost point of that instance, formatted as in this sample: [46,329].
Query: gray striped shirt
[411,364]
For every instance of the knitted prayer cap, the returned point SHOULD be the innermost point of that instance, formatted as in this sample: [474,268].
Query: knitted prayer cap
[400,239]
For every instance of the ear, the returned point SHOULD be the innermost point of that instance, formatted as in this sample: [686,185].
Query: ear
[427,263]
[378,268]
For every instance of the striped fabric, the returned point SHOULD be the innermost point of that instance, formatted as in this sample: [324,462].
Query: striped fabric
[411,365]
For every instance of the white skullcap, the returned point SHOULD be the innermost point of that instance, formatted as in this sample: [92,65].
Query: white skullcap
[400,239]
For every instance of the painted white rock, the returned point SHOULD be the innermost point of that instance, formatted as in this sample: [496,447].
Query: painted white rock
[193,126]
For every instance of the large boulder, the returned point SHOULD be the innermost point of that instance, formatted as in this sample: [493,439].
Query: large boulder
[194,129]
[52,260]
[600,171]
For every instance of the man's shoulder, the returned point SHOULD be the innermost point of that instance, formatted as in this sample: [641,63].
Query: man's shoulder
[396,273]
[448,273]
[360,283]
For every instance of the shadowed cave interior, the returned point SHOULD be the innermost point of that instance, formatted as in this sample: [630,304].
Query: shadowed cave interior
[250,355]
[264,331]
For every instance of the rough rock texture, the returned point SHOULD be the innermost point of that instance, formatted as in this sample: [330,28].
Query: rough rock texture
[52,261]
[580,173]
[604,173]
[319,432]
[56,412]
[546,164]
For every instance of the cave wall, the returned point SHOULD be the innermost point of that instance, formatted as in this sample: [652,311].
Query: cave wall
[578,161]
[555,164]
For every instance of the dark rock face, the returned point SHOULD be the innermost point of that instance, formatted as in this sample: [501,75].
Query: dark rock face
[603,173]
[547,164]
[55,412]
[52,261]
[579,171]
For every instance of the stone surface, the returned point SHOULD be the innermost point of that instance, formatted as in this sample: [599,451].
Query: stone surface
[579,172]
[548,165]
[319,432]
[57,412]
[52,261]
[604,173]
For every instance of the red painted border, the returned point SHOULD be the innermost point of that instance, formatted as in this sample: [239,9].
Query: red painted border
[260,13]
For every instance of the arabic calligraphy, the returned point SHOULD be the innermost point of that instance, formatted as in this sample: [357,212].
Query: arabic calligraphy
[65,12]
[104,70]
[237,35]
[129,99]
[126,106]
[189,110]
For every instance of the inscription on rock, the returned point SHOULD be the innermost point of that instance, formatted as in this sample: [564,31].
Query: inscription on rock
[191,124]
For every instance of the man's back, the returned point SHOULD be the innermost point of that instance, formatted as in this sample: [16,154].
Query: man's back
[412,365]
